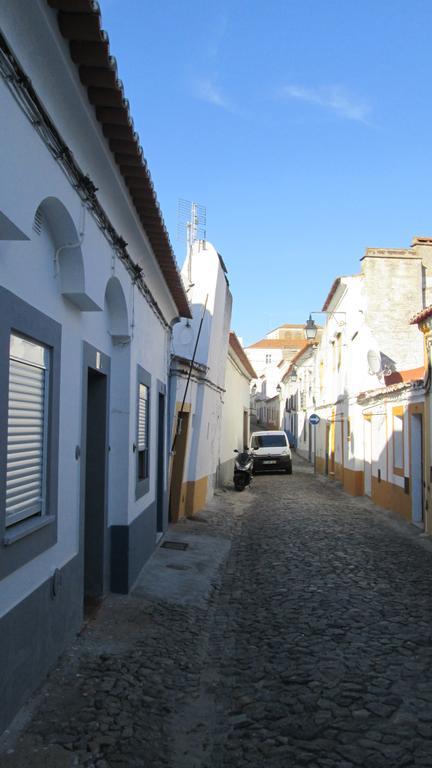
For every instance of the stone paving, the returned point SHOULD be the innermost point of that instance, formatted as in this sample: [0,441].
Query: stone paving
[313,648]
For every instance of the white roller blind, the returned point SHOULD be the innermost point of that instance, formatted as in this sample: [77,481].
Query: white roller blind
[142,417]
[27,430]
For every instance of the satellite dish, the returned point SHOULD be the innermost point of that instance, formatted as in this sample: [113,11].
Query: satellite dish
[374,362]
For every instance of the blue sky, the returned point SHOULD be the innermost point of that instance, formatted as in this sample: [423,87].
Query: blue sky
[303,126]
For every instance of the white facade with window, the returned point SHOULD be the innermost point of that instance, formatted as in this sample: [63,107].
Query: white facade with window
[198,392]
[86,311]
[366,386]
[236,407]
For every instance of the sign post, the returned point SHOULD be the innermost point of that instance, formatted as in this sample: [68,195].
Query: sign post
[314,419]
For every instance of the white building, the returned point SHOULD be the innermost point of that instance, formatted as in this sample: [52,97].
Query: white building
[89,291]
[236,407]
[299,400]
[198,367]
[368,379]
[270,358]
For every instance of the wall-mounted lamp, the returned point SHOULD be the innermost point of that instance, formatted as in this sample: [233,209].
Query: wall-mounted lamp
[293,375]
[311,329]
[278,389]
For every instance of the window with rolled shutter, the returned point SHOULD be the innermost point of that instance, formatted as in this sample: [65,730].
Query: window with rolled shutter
[142,432]
[27,429]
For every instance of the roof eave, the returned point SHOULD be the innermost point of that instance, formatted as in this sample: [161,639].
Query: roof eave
[79,23]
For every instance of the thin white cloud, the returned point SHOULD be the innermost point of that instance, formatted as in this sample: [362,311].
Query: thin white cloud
[207,91]
[333,97]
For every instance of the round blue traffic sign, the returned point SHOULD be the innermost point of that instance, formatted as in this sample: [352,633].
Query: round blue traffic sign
[314,419]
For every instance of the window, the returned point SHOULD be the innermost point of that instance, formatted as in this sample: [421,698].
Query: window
[142,432]
[339,350]
[321,377]
[268,359]
[30,357]
[269,441]
[142,445]
[27,430]
[398,441]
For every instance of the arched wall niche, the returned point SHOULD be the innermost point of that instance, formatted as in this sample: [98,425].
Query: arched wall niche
[68,255]
[116,312]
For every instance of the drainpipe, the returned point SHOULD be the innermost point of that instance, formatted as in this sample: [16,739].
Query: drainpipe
[427,469]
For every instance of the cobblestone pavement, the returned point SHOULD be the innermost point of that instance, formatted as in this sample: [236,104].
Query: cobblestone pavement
[314,649]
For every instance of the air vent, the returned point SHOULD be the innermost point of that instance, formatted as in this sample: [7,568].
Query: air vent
[37,222]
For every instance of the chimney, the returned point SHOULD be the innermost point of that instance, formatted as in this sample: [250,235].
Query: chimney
[422,246]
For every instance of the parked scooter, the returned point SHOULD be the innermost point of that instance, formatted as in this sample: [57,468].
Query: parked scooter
[243,468]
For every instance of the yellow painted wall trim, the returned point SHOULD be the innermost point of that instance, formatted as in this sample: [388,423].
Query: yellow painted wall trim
[353,481]
[392,497]
[196,495]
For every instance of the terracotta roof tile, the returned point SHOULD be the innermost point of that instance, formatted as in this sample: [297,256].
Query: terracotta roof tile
[80,23]
[424,314]
[308,345]
[413,374]
[418,384]
[276,344]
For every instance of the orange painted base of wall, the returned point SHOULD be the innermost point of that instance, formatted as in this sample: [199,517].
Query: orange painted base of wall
[353,481]
[384,494]
[320,465]
[192,498]
[196,495]
[391,497]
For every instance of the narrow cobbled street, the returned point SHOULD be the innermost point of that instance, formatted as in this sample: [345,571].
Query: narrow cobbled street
[308,642]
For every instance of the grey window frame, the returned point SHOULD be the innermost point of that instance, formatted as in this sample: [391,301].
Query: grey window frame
[27,539]
[27,513]
[142,486]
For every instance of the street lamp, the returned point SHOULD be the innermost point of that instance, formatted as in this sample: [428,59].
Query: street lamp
[310,329]
[278,389]
[293,375]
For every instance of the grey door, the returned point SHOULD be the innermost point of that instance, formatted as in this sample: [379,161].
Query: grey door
[95,486]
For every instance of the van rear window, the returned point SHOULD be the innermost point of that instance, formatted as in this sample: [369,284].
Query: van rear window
[269,441]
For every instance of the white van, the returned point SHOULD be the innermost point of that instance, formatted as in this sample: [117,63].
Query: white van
[271,451]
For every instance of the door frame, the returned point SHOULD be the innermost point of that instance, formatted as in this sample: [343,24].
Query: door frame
[416,410]
[93,359]
[176,510]
[367,419]
[161,453]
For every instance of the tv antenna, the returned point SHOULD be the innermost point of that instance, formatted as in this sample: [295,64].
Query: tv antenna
[192,219]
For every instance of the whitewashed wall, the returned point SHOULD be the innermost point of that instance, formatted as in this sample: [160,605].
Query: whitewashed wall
[28,269]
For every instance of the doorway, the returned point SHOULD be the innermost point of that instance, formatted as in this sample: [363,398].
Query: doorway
[160,464]
[417,468]
[368,457]
[245,429]
[176,503]
[95,487]
[327,448]
[331,448]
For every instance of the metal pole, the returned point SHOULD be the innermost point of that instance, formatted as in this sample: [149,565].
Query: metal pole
[179,418]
